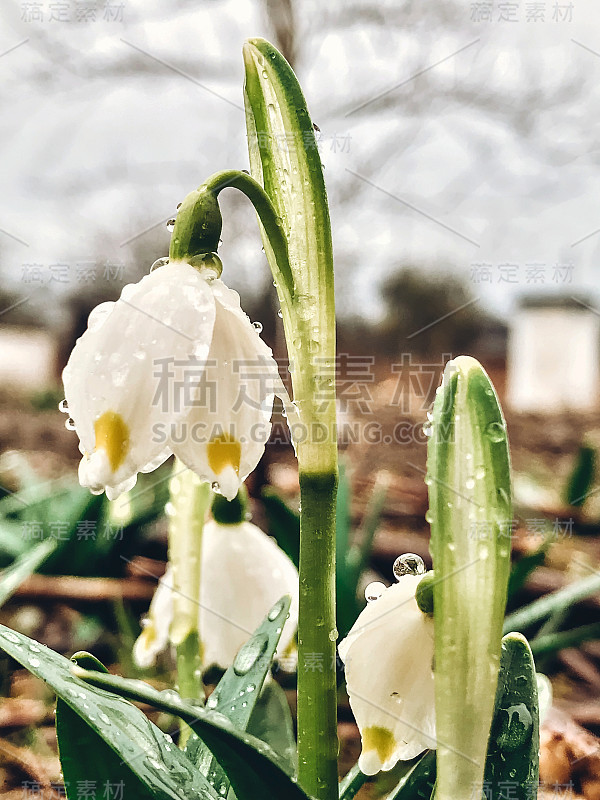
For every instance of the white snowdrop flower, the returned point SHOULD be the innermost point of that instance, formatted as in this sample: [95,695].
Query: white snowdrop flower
[388,657]
[243,573]
[174,366]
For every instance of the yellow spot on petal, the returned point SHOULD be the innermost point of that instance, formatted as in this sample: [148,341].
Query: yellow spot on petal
[224,451]
[112,436]
[147,636]
[379,739]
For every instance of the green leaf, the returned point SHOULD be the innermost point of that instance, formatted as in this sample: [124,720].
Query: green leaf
[521,571]
[289,168]
[556,601]
[86,760]
[284,523]
[468,474]
[271,722]
[113,722]
[360,553]
[581,478]
[238,691]
[12,577]
[512,764]
[419,782]
[552,642]
[254,769]
[351,783]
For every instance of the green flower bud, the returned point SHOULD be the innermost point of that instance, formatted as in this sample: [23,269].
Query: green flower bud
[469,511]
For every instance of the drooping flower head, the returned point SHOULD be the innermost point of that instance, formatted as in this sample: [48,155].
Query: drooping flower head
[243,573]
[173,366]
[388,660]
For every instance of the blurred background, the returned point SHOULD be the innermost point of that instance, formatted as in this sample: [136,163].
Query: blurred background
[460,147]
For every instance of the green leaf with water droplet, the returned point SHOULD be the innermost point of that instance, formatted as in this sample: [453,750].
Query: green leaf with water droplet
[113,724]
[470,513]
[254,769]
[237,693]
[512,765]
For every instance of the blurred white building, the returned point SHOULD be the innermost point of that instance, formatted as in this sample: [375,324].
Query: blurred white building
[29,358]
[553,359]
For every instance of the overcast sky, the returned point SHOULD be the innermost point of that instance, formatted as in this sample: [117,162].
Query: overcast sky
[455,135]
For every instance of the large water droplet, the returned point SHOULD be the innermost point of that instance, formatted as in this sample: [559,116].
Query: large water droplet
[11,637]
[516,727]
[249,654]
[374,591]
[408,564]
[276,610]
[495,432]
[160,262]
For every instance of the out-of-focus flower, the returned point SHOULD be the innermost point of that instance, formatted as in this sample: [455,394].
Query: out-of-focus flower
[388,657]
[174,366]
[243,573]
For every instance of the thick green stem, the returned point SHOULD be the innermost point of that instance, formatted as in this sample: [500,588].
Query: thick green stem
[190,499]
[285,160]
[317,705]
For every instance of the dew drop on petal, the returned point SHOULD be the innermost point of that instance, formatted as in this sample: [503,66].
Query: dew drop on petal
[70,424]
[63,406]
[470,483]
[408,564]
[480,473]
[374,591]
[170,224]
[257,326]
[428,428]
[280,314]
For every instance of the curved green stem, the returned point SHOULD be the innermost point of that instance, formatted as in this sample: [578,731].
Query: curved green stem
[198,224]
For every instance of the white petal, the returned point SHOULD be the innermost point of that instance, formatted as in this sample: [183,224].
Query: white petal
[388,658]
[155,634]
[239,384]
[244,573]
[133,367]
